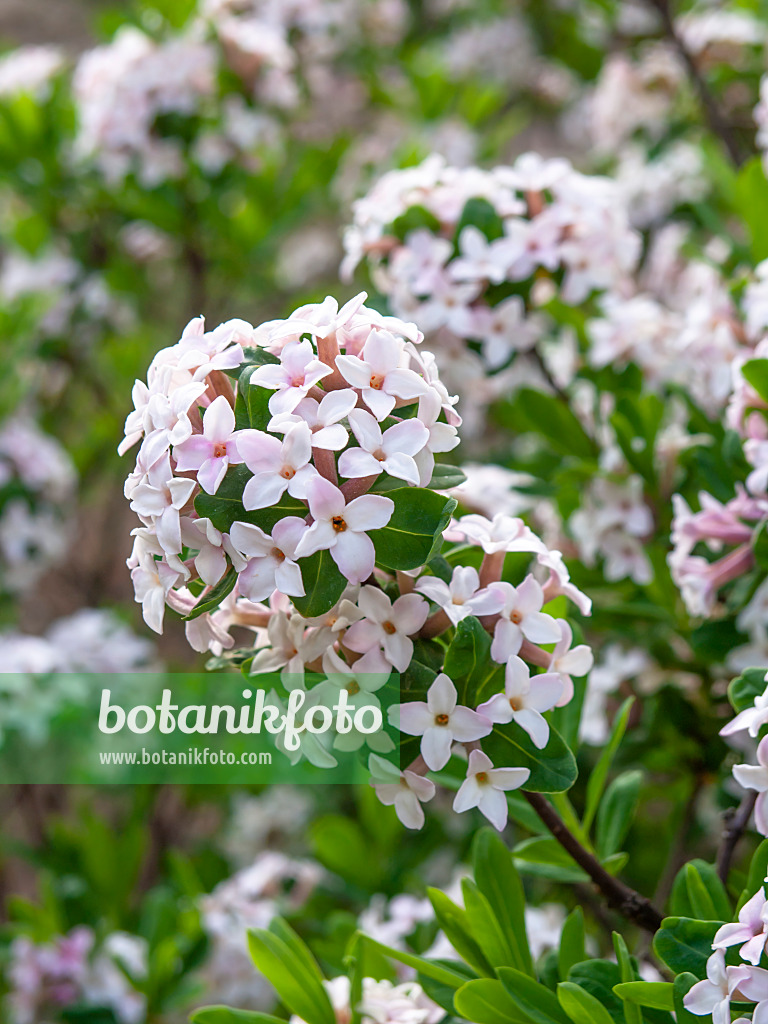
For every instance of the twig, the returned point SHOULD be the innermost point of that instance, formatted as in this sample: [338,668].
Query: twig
[717,122]
[621,897]
[735,822]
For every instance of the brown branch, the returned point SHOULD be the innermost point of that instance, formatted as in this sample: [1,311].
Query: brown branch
[621,897]
[717,122]
[736,820]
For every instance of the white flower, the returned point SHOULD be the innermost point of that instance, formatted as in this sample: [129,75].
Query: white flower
[379,375]
[322,418]
[524,699]
[342,528]
[391,452]
[387,625]
[298,370]
[406,790]
[521,618]
[277,466]
[462,596]
[271,560]
[439,722]
[485,786]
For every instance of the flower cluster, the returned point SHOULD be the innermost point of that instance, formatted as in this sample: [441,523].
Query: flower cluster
[470,254]
[37,486]
[45,978]
[264,485]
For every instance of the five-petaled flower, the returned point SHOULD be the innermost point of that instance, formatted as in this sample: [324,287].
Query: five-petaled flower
[342,528]
[485,788]
[439,721]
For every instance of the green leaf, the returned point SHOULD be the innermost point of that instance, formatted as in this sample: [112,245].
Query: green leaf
[598,978]
[632,1013]
[323,584]
[636,422]
[443,995]
[497,878]
[456,924]
[535,1000]
[297,986]
[211,600]
[445,477]
[468,662]
[572,943]
[657,995]
[684,944]
[755,373]
[251,404]
[553,769]
[224,1015]
[758,869]
[581,1007]
[483,215]
[702,900]
[697,888]
[491,938]
[226,506]
[440,971]
[414,533]
[744,688]
[616,811]
[487,1002]
[599,774]
[545,857]
[550,417]
[752,205]
[415,218]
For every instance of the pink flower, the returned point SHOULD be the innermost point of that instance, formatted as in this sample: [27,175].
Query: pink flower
[753,718]
[406,790]
[322,418]
[502,533]
[481,259]
[271,560]
[378,374]
[211,452]
[524,699]
[391,452]
[387,625]
[567,661]
[485,786]
[439,722]
[755,776]
[442,437]
[278,466]
[342,528]
[521,618]
[714,995]
[462,596]
[298,370]
[750,930]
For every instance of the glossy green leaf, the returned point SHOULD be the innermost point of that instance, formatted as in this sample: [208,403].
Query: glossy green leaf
[683,983]
[456,924]
[658,995]
[487,1002]
[296,985]
[445,477]
[224,1015]
[323,584]
[572,943]
[498,879]
[439,970]
[553,769]
[414,533]
[684,944]
[698,892]
[535,1000]
[490,937]
[616,811]
[744,688]
[632,1014]
[581,1007]
[212,598]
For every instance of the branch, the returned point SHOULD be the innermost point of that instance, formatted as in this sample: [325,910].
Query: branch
[735,822]
[621,897]
[715,118]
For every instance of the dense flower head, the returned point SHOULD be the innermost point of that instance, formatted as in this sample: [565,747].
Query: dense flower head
[465,252]
[37,488]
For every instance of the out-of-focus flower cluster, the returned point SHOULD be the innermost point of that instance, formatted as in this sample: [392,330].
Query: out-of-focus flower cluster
[37,491]
[470,254]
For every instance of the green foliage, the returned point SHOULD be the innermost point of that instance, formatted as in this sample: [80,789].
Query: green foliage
[685,944]
[413,535]
[553,769]
[289,966]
